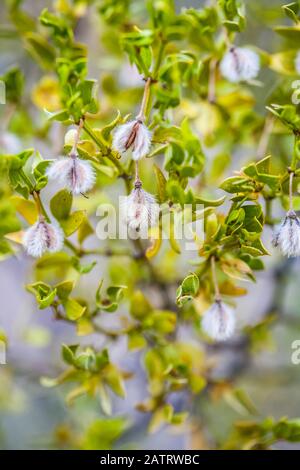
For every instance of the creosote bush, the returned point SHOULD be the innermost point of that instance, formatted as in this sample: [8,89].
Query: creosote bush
[178,101]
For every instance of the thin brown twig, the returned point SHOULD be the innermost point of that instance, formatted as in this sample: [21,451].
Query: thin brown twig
[143,110]
[137,176]
[211,96]
[214,277]
[291,190]
[39,205]
[77,136]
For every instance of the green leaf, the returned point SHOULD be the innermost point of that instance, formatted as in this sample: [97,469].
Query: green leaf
[44,294]
[85,230]
[290,32]
[175,192]
[113,378]
[105,400]
[58,23]
[102,433]
[179,418]
[287,114]
[106,131]
[82,268]
[136,341]
[190,284]
[197,383]
[237,184]
[161,321]
[139,305]
[53,260]
[40,49]
[240,401]
[26,208]
[60,116]
[236,269]
[68,353]
[188,289]
[220,163]
[64,289]
[210,202]
[161,184]
[87,91]
[283,62]
[73,309]
[110,302]
[61,205]
[291,10]
[138,38]
[14,84]
[73,222]
[235,21]
[86,360]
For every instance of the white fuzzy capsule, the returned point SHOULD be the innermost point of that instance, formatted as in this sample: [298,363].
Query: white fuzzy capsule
[218,321]
[73,173]
[42,237]
[287,235]
[139,212]
[297,62]
[134,136]
[240,64]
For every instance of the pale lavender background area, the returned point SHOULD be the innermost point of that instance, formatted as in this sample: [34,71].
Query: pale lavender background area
[271,379]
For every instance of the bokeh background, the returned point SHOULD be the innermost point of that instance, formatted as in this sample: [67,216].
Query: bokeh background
[32,416]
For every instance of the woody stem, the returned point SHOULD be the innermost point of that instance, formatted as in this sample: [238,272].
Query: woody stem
[159,58]
[143,110]
[226,38]
[137,176]
[39,205]
[296,155]
[291,191]
[76,139]
[212,81]
[214,278]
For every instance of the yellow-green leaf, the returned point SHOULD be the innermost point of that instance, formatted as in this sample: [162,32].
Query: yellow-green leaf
[73,309]
[73,222]
[26,208]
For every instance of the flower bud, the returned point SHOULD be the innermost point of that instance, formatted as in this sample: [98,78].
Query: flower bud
[218,321]
[139,212]
[42,237]
[70,137]
[134,136]
[73,173]
[287,235]
[239,64]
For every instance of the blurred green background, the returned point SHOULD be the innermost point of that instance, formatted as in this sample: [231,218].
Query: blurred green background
[35,417]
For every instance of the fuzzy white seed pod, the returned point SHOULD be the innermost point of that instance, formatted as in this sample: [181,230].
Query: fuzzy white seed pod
[134,136]
[42,237]
[287,235]
[139,212]
[240,64]
[73,173]
[297,62]
[218,321]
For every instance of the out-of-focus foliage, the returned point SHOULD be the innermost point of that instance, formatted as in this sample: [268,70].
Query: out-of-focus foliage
[199,121]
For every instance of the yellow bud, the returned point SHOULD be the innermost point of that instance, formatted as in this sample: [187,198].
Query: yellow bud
[70,137]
